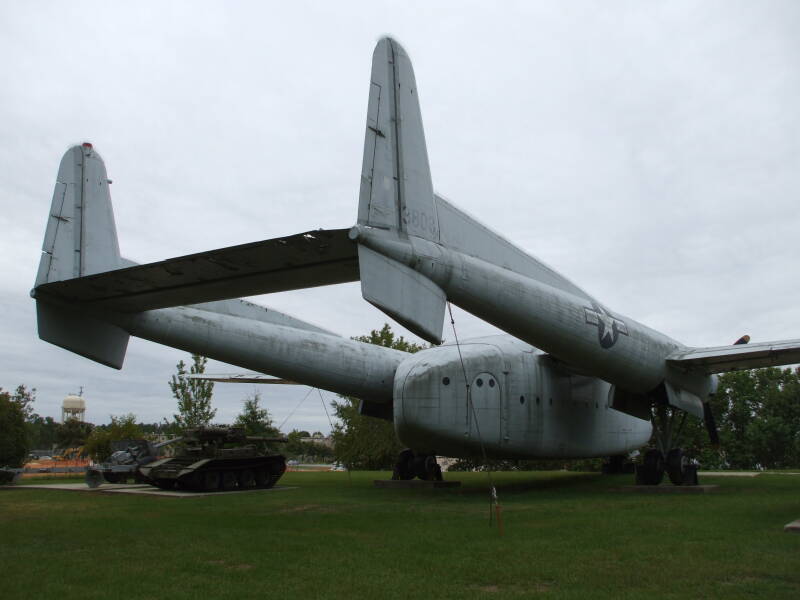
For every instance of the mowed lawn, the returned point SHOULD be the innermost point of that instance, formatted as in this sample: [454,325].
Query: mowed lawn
[333,535]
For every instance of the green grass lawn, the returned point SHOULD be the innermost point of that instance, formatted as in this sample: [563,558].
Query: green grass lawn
[567,535]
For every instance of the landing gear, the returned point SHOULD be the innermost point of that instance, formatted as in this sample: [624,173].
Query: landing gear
[651,471]
[410,465]
[678,468]
[666,457]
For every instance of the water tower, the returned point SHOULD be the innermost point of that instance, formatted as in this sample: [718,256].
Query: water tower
[73,407]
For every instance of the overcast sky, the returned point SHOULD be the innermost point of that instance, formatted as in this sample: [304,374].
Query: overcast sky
[650,151]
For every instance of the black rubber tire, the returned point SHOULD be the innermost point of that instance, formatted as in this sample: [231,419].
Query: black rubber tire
[651,472]
[94,479]
[404,468]
[676,466]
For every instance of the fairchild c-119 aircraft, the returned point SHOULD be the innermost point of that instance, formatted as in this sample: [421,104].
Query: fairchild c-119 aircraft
[571,378]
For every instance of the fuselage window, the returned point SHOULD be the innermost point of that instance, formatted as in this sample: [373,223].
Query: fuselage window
[445,381]
[479,382]
[491,383]
[522,399]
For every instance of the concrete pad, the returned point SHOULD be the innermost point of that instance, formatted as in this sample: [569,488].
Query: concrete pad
[668,489]
[793,527]
[414,484]
[141,489]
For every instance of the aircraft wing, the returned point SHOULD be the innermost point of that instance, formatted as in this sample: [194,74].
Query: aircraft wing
[309,259]
[734,358]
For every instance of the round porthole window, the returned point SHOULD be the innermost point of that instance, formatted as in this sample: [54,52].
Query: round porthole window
[491,383]
[522,399]
[445,381]
[479,382]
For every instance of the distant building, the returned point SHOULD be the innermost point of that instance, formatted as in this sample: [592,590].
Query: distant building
[73,407]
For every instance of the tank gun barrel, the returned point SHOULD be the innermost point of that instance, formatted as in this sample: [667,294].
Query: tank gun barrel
[263,438]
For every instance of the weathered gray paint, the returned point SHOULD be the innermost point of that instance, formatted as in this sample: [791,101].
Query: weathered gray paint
[325,361]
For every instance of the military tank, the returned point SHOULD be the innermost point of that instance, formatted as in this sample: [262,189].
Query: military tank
[217,459]
[125,461]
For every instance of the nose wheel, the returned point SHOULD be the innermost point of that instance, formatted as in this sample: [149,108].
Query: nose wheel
[410,465]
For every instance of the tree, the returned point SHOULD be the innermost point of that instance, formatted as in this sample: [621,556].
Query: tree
[193,395]
[72,433]
[256,420]
[123,427]
[42,431]
[306,451]
[13,433]
[365,442]
[25,399]
[758,413]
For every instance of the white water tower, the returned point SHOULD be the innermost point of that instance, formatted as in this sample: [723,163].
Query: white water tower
[73,407]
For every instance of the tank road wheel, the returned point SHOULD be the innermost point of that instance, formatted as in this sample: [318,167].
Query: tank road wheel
[247,479]
[404,468]
[262,477]
[210,481]
[651,472]
[229,480]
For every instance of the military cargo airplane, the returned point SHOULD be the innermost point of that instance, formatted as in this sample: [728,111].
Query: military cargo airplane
[571,377]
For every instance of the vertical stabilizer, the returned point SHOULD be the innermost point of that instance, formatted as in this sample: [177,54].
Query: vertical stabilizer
[80,239]
[397,194]
[396,188]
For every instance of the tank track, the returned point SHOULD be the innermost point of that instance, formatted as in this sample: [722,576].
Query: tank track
[221,475]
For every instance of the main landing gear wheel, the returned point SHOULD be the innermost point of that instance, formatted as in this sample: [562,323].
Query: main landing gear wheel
[409,466]
[404,467]
[679,469]
[426,468]
[651,471]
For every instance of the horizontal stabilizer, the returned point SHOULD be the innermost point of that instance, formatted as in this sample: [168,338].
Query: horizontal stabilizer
[310,259]
[241,378]
[741,356]
[75,331]
[408,297]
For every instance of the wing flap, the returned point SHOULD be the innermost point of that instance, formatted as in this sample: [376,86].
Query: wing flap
[733,358]
[309,259]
